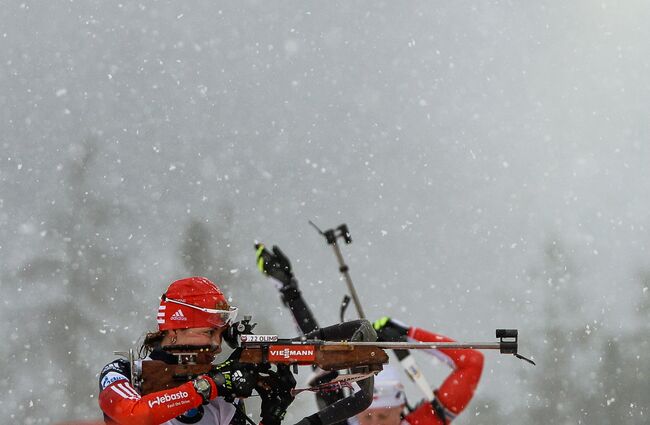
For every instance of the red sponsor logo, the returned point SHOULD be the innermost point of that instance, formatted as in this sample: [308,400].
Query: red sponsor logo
[180,396]
[292,353]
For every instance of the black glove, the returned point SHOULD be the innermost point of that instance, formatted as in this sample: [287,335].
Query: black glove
[274,264]
[275,391]
[390,330]
[233,379]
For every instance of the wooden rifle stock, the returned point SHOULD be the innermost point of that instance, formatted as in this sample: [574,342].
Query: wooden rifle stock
[158,375]
[327,357]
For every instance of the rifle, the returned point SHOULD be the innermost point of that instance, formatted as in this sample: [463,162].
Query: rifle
[157,375]
[262,351]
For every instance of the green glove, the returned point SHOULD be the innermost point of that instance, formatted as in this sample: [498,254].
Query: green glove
[274,264]
[233,379]
[390,330]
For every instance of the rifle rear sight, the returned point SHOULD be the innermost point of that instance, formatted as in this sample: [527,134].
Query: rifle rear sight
[509,343]
[234,332]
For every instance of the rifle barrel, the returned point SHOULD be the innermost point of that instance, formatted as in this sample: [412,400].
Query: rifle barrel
[421,345]
[382,345]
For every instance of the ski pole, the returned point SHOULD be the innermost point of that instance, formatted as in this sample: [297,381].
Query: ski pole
[331,236]
[403,355]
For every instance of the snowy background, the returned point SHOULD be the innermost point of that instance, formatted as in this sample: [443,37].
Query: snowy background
[490,159]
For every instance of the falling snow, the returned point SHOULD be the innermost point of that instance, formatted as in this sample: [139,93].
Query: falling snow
[489,158]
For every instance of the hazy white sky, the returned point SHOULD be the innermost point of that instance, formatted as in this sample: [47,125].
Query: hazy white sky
[455,140]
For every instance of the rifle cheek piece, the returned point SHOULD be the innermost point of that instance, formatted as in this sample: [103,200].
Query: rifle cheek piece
[354,330]
[357,330]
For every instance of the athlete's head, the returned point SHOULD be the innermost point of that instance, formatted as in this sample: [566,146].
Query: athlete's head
[194,311]
[387,401]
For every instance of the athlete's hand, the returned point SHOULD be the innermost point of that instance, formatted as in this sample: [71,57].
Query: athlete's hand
[233,379]
[390,330]
[274,264]
[275,392]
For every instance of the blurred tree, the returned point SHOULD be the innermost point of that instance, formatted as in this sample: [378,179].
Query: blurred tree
[555,383]
[643,305]
[77,289]
[636,361]
[196,249]
[617,393]
[610,407]
[206,249]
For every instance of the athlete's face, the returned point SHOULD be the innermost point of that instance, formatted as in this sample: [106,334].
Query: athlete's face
[200,336]
[381,416]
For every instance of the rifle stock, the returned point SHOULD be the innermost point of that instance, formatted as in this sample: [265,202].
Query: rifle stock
[158,375]
[264,350]
[326,357]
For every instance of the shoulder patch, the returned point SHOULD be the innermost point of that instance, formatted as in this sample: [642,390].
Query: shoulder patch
[116,371]
[111,377]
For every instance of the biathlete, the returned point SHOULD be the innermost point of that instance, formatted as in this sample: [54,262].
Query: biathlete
[193,315]
[389,406]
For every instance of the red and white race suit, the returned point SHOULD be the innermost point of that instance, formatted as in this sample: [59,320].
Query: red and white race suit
[123,405]
[457,389]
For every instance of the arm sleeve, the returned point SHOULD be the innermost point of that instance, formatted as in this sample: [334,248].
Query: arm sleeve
[122,404]
[292,298]
[458,388]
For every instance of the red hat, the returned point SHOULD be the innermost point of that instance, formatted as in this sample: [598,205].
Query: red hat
[194,302]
